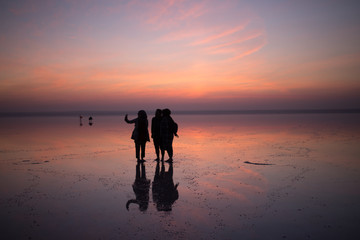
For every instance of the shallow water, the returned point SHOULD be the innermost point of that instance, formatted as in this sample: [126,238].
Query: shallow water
[265,176]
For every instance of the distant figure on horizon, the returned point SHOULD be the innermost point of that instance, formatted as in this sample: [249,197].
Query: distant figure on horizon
[81,117]
[90,121]
[168,128]
[164,191]
[155,132]
[140,134]
[141,188]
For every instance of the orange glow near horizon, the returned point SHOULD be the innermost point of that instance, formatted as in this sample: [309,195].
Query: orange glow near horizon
[184,53]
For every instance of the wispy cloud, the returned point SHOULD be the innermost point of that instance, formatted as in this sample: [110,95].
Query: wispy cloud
[204,36]
[222,34]
[160,14]
[156,49]
[182,34]
[249,51]
[236,41]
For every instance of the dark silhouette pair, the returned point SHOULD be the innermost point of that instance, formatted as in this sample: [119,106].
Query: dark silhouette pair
[164,191]
[163,130]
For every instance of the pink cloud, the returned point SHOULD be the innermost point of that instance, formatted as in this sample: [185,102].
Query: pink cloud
[222,34]
[194,25]
[182,34]
[249,51]
[237,41]
[168,13]
[194,11]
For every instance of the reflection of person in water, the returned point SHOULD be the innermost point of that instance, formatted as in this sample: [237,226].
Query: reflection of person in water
[141,188]
[164,192]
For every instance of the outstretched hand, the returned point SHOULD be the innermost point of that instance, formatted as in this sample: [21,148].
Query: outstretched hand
[176,135]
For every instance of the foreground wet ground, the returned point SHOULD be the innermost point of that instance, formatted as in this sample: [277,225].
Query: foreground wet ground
[239,176]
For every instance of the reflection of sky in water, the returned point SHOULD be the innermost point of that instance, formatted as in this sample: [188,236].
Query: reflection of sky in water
[64,180]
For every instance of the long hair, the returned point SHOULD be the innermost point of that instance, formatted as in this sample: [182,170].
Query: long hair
[142,114]
[158,113]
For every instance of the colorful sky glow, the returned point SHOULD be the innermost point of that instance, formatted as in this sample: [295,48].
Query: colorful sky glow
[182,54]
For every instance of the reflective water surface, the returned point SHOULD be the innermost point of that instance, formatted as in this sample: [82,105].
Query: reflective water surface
[252,176]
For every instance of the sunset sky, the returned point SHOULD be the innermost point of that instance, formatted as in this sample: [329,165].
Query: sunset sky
[58,55]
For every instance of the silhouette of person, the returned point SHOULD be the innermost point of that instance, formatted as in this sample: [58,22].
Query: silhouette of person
[164,192]
[141,188]
[155,132]
[140,134]
[90,121]
[168,128]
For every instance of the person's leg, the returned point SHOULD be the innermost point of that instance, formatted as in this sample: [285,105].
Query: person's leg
[143,144]
[157,148]
[170,152]
[137,150]
[162,153]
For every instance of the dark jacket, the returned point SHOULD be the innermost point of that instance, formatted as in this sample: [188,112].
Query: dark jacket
[155,128]
[168,128]
[140,132]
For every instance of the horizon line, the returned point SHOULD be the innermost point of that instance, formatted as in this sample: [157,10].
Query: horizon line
[177,112]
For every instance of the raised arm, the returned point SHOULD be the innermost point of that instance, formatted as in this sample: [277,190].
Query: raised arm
[129,121]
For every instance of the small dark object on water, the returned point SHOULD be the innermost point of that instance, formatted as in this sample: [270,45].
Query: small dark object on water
[258,163]
[81,117]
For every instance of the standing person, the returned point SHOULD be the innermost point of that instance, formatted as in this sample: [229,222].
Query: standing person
[155,132]
[168,128]
[140,134]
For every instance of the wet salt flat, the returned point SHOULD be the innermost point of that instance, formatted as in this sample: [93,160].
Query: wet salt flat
[280,176]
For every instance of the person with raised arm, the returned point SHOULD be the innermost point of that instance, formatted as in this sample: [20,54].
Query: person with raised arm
[140,134]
